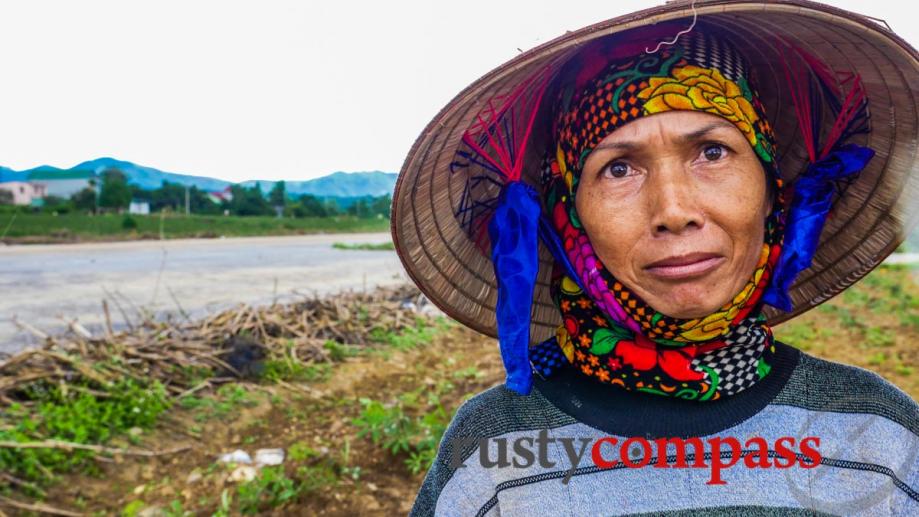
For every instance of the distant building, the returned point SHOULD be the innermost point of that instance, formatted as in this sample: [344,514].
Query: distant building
[220,196]
[24,193]
[64,183]
[139,207]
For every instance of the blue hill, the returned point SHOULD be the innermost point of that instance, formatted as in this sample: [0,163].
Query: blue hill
[150,178]
[337,184]
[7,174]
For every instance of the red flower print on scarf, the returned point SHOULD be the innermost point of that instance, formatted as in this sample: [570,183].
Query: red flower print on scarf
[643,354]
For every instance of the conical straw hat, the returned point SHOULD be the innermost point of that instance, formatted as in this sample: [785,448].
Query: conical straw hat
[871,217]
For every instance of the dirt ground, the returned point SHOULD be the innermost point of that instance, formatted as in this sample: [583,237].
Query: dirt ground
[317,415]
[874,325]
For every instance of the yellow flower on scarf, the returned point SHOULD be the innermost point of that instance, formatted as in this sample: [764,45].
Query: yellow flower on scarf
[564,341]
[563,167]
[701,89]
[569,286]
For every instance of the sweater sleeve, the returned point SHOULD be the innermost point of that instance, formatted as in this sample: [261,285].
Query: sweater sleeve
[447,490]
[456,497]
[451,490]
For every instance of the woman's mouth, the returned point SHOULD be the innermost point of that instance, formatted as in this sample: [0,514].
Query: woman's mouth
[685,266]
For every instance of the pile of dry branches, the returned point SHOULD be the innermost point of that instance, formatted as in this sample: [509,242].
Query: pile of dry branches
[161,350]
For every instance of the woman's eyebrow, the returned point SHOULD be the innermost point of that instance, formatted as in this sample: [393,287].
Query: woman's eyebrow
[619,146]
[692,136]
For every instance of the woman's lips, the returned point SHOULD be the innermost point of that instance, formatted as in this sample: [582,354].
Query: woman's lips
[685,266]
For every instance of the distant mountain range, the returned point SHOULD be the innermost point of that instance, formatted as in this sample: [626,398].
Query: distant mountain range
[337,184]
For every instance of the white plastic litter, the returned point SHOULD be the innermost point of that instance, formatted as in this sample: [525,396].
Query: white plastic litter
[269,457]
[237,456]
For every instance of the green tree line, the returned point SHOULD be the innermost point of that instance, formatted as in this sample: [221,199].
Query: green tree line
[115,195]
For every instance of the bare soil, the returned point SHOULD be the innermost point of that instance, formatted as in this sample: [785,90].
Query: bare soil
[317,414]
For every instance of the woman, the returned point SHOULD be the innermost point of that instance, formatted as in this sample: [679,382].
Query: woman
[677,227]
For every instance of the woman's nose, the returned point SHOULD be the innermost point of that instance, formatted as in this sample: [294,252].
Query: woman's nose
[674,203]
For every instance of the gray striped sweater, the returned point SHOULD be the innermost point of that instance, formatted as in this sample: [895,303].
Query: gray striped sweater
[507,454]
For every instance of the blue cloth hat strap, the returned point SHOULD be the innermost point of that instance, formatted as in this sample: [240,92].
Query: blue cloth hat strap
[812,201]
[514,230]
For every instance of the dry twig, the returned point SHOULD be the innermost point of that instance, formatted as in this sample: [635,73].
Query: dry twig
[37,507]
[69,446]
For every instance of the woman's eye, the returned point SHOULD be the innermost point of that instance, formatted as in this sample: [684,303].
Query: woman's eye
[617,169]
[713,152]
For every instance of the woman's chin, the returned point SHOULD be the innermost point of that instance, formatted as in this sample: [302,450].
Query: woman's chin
[686,302]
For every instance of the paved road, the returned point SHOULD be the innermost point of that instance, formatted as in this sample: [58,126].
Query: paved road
[40,284]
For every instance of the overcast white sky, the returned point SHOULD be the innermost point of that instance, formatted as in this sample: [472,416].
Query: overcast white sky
[263,89]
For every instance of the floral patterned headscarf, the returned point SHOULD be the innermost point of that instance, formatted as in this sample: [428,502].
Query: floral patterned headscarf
[608,332]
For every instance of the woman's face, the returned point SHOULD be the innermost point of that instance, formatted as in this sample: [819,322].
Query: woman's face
[674,205]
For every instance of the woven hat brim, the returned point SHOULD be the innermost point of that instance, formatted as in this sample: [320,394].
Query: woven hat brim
[869,220]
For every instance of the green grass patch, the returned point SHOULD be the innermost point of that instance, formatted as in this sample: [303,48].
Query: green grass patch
[272,488]
[339,352]
[74,416]
[879,337]
[883,291]
[287,370]
[383,246]
[229,397]
[864,309]
[798,334]
[317,470]
[845,314]
[872,324]
[412,426]
[470,372]
[411,337]
[76,226]
[903,369]
[877,359]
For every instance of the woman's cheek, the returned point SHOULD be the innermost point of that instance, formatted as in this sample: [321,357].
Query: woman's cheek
[737,197]
[612,231]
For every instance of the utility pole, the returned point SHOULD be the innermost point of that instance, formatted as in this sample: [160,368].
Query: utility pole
[187,201]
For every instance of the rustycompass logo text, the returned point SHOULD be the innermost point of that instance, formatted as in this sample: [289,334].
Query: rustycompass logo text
[611,452]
